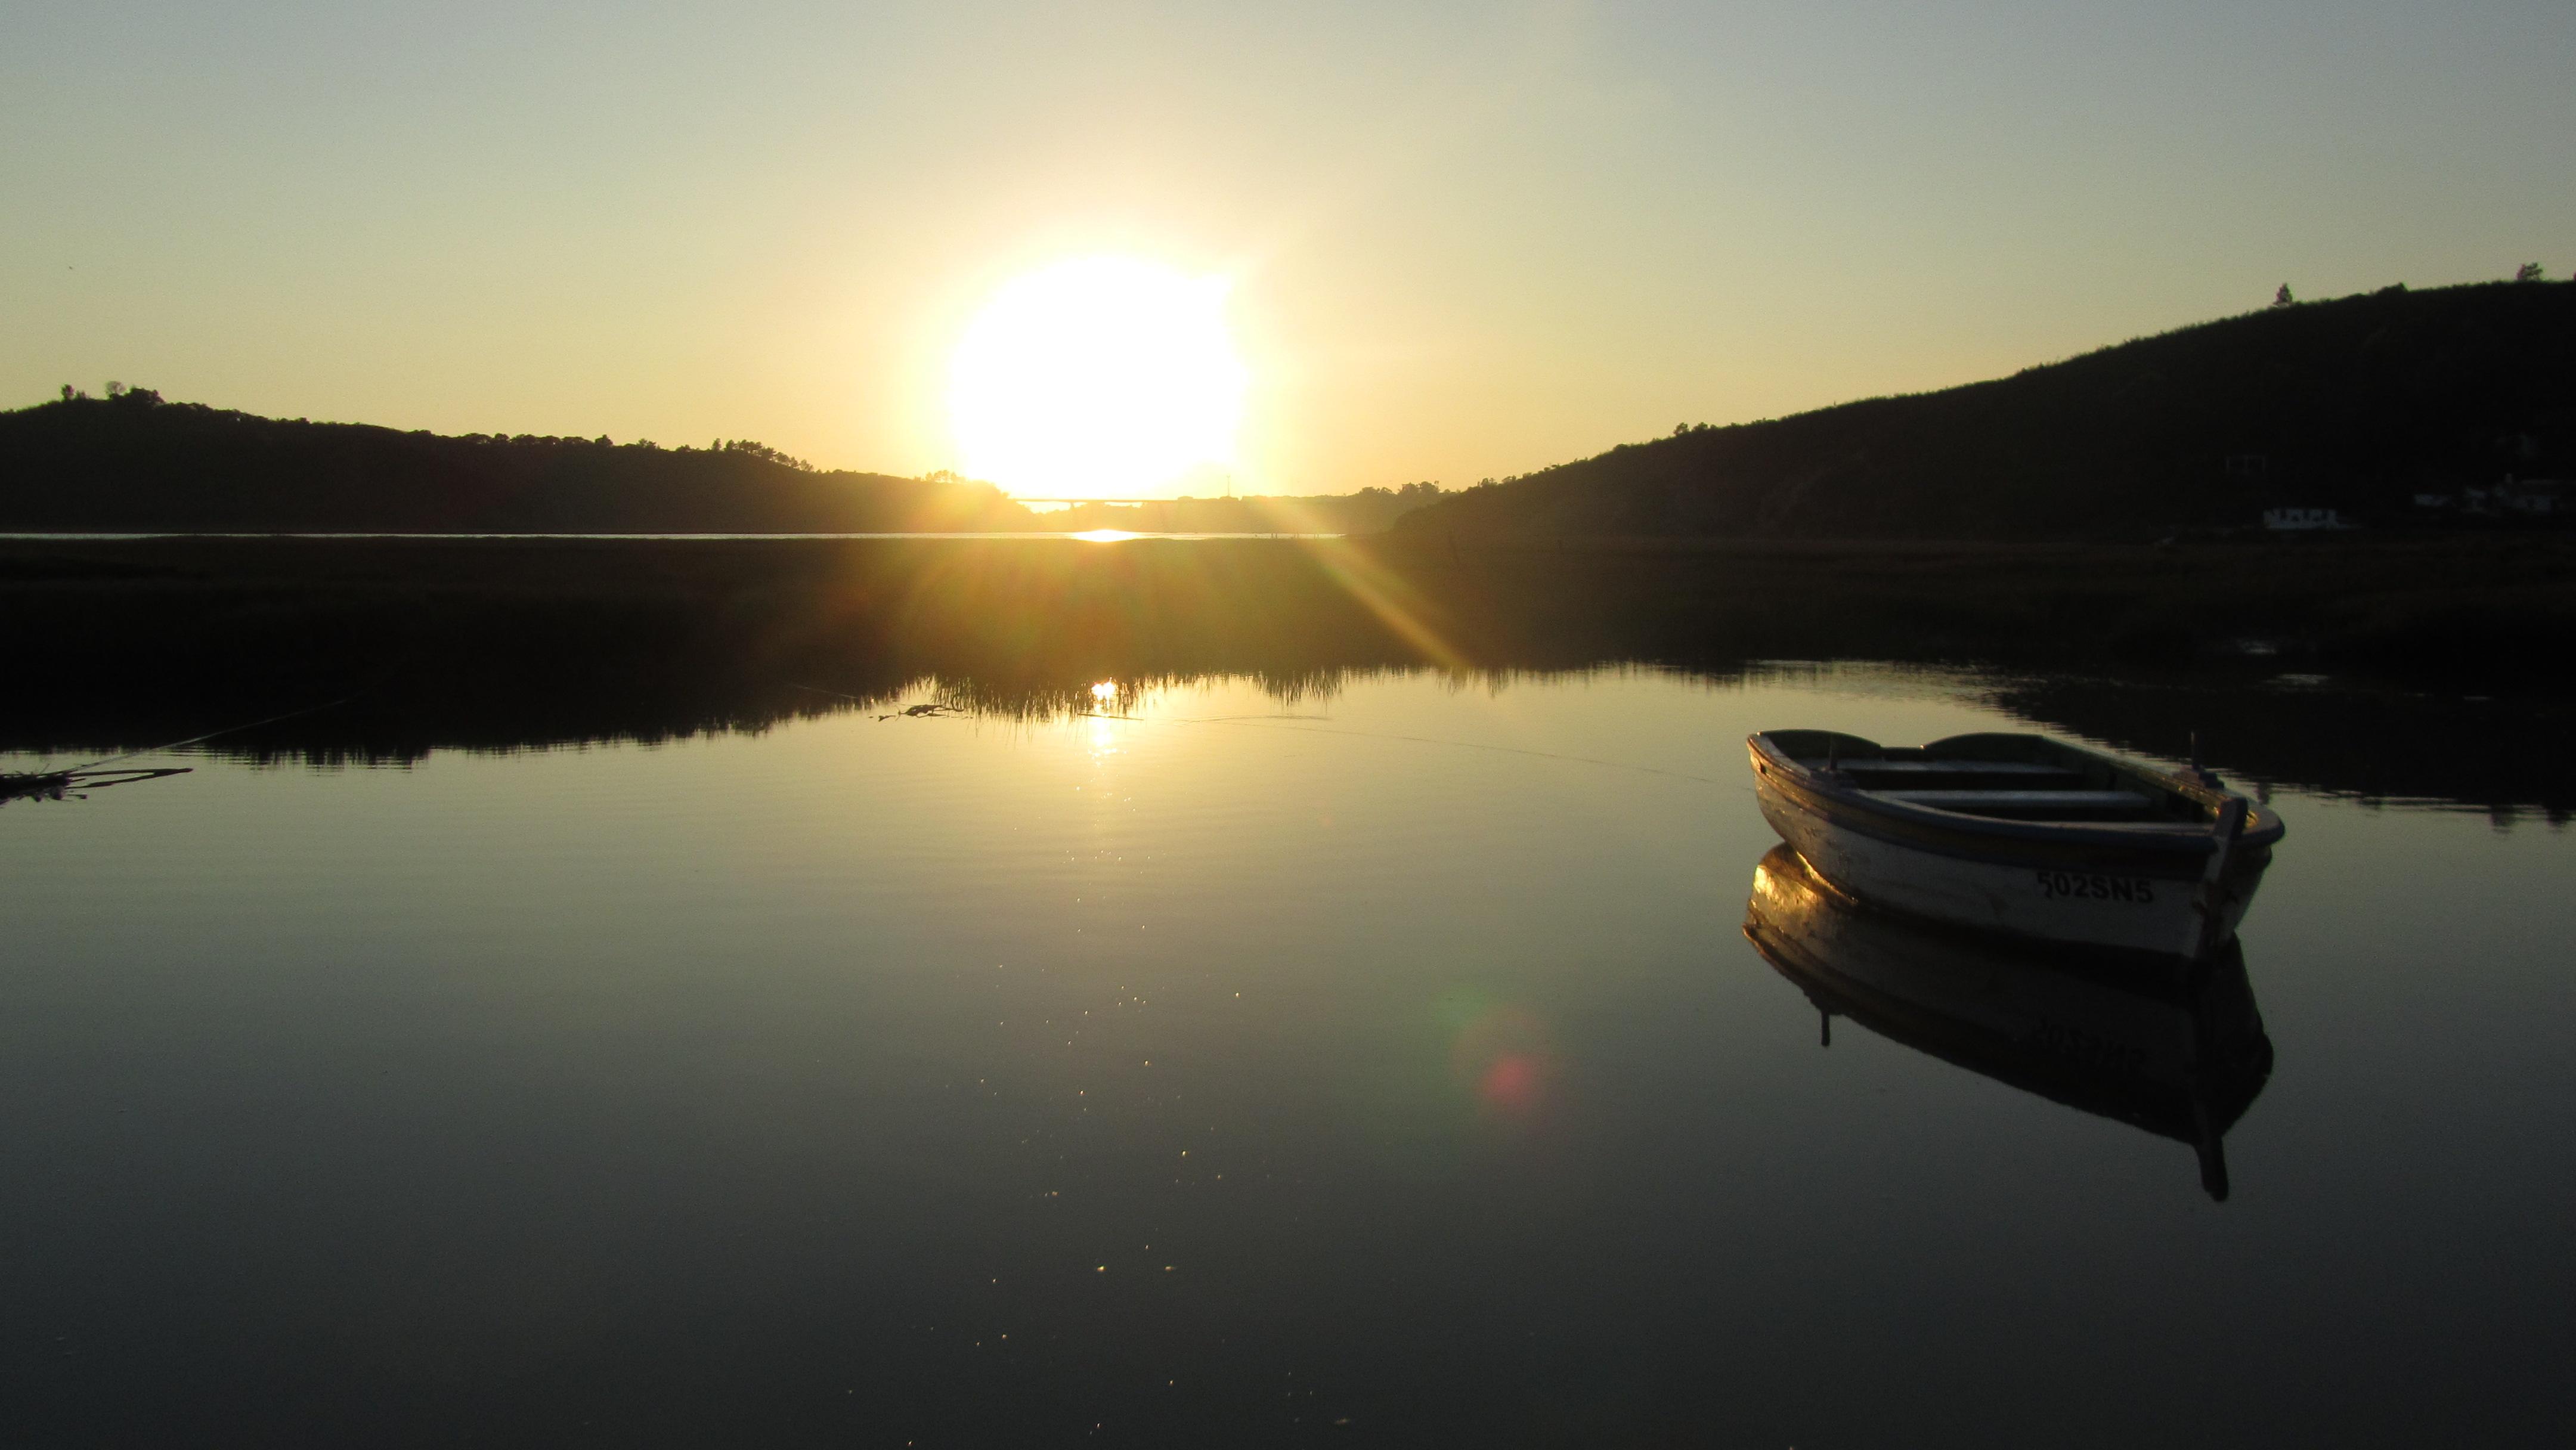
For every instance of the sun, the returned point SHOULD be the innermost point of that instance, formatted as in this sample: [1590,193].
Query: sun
[1101,377]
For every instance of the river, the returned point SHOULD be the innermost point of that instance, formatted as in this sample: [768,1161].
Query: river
[1370,1059]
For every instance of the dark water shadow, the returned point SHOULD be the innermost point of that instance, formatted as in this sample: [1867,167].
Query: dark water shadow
[2376,742]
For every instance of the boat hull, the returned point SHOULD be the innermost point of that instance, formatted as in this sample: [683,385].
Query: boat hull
[2136,892]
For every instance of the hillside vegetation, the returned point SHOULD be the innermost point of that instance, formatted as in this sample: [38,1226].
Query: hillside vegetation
[2354,404]
[132,462]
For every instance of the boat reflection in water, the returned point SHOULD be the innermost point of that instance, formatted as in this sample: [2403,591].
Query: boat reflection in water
[2171,1046]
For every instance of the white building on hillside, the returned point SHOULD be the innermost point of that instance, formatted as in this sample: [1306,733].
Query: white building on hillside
[2292,520]
[2532,498]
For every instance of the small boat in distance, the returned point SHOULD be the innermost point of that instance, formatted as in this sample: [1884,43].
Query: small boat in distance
[2020,834]
[55,785]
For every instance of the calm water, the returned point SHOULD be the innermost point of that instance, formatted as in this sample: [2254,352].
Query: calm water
[1384,1065]
[1087,536]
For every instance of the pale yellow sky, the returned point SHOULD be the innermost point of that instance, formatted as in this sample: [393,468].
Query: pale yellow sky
[1465,240]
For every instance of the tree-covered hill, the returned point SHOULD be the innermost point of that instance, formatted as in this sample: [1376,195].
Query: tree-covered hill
[2355,404]
[131,462]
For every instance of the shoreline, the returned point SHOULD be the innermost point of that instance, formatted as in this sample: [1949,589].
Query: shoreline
[2491,606]
[2360,682]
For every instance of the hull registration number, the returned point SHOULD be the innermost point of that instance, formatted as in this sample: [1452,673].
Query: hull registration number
[2081,885]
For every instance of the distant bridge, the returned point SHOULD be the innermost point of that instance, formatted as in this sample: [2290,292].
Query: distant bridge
[1122,502]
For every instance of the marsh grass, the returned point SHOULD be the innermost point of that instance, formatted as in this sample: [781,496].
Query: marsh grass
[499,644]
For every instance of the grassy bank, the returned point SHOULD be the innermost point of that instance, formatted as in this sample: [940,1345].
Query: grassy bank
[497,642]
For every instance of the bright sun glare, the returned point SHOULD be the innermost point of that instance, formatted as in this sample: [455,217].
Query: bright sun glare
[1103,377]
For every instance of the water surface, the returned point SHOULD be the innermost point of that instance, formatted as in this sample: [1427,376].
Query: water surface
[1375,1061]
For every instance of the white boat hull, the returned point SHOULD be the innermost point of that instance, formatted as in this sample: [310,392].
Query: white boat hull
[2169,887]
[2128,911]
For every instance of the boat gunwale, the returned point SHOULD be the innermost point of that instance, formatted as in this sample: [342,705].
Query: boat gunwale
[2187,840]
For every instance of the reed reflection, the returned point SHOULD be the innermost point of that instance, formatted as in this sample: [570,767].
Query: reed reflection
[499,645]
[2176,1049]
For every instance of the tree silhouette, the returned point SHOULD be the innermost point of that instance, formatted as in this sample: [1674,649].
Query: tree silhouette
[2282,298]
[761,451]
[2530,272]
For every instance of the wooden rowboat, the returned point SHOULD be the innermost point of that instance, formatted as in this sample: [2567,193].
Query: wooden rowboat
[2181,1055]
[2022,835]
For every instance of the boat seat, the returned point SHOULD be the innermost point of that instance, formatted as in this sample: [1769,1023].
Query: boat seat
[2020,802]
[1932,771]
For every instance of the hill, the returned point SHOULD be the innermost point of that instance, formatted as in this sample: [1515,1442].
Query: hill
[2355,404]
[133,463]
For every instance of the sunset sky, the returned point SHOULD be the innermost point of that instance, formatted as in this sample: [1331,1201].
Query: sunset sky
[1452,240]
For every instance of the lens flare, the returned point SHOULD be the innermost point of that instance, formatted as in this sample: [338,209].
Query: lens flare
[1503,1058]
[1512,1083]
